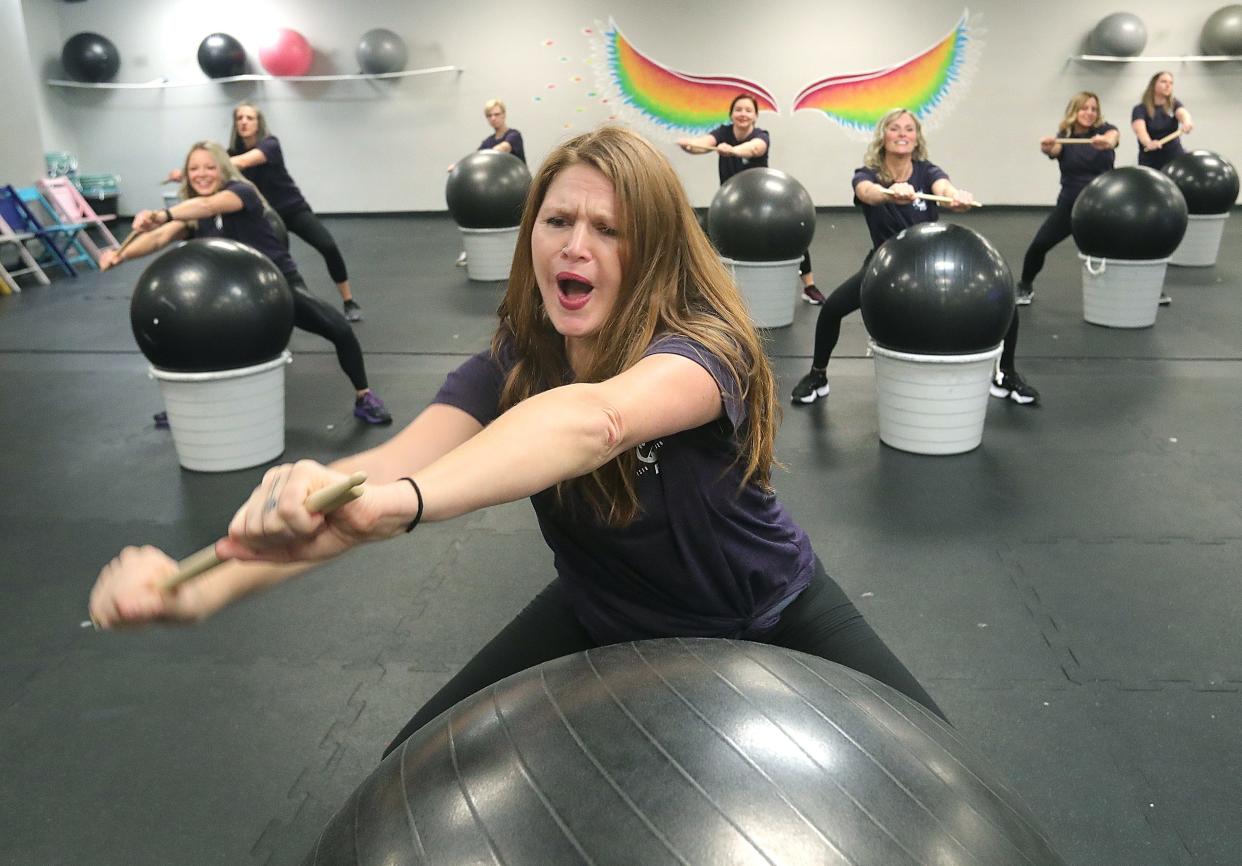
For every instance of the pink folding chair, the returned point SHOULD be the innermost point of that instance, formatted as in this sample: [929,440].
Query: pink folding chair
[71,207]
[10,238]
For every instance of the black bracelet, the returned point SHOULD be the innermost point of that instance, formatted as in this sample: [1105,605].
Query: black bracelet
[418,515]
[168,215]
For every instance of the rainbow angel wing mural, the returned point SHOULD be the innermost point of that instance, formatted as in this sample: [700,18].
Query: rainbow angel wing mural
[671,100]
[927,84]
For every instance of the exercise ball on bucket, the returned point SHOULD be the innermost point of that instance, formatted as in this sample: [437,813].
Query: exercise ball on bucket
[690,751]
[937,300]
[1126,223]
[486,192]
[213,317]
[761,221]
[1209,183]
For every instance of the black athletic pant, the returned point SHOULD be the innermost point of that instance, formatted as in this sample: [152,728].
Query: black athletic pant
[822,621]
[805,267]
[303,223]
[323,319]
[1055,229]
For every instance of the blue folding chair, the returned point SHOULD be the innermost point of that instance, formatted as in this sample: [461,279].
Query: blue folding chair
[70,232]
[19,218]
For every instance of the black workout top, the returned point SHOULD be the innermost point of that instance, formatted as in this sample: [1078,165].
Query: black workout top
[515,141]
[731,165]
[1082,163]
[888,219]
[272,178]
[247,226]
[1159,125]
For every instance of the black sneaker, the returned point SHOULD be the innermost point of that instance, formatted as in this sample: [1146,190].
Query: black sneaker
[1165,300]
[1024,294]
[811,387]
[371,409]
[812,295]
[353,312]
[161,420]
[1010,384]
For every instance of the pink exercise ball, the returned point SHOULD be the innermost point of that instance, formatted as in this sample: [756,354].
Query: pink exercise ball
[286,53]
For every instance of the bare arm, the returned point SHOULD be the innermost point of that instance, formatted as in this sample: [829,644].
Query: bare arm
[1184,118]
[697,144]
[1140,129]
[962,200]
[249,159]
[147,243]
[1049,147]
[871,193]
[752,149]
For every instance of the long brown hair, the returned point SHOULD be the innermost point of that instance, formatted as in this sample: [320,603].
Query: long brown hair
[1077,101]
[235,141]
[874,157]
[1149,95]
[672,283]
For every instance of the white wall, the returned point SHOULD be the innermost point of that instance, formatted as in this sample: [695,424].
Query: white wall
[383,146]
[21,146]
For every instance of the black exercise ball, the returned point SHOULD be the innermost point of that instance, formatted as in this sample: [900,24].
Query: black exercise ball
[1133,213]
[937,289]
[761,215]
[1208,181]
[90,57]
[487,190]
[693,751]
[278,226]
[221,56]
[211,304]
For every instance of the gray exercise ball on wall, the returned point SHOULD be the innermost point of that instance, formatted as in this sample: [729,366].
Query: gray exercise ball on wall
[1222,32]
[1121,34]
[381,51]
[688,751]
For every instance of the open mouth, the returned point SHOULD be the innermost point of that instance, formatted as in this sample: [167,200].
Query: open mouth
[573,290]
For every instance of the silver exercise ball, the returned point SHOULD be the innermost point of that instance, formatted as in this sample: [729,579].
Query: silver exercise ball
[1121,34]
[1222,32]
[380,51]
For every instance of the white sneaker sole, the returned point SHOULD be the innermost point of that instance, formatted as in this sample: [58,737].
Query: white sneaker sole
[813,396]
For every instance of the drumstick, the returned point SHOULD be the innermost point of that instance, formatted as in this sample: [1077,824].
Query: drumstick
[322,501]
[128,240]
[1172,135]
[926,196]
[698,148]
[1071,140]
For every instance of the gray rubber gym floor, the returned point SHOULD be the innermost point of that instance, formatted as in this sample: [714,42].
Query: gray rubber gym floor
[1069,592]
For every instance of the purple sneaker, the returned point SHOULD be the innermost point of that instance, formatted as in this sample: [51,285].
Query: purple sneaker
[371,409]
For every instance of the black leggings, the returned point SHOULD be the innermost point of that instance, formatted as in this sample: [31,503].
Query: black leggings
[805,267]
[303,223]
[323,319]
[845,300]
[822,621]
[1055,229]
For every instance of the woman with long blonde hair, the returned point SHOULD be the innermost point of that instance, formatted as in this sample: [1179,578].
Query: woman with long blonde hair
[219,202]
[1080,163]
[627,394]
[1158,115]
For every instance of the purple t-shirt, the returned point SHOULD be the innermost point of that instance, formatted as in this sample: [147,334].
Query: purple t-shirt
[1159,125]
[272,178]
[702,559]
[1082,163]
[515,141]
[886,220]
[248,226]
[731,165]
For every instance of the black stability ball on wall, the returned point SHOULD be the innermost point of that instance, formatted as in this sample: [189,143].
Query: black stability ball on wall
[761,215]
[211,304]
[1208,181]
[487,190]
[90,57]
[221,56]
[1133,213]
[937,289]
[684,751]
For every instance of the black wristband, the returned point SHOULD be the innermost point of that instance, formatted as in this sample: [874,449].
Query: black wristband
[168,217]
[418,515]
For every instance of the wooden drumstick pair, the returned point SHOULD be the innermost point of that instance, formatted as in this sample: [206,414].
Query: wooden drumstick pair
[926,196]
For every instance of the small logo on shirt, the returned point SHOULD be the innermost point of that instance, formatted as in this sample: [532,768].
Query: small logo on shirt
[919,204]
[646,452]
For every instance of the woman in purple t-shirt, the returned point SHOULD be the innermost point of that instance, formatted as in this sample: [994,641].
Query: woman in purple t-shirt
[740,145]
[219,202]
[1157,116]
[1080,164]
[627,394]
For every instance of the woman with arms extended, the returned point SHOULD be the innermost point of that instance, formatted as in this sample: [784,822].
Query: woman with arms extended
[627,394]
[1080,163]
[219,202]
[895,171]
[1158,116]
[740,145]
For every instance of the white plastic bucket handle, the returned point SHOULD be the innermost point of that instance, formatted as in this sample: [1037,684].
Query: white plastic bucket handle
[1087,260]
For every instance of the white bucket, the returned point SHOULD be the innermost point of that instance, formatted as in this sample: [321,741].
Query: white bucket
[489,252]
[1121,293]
[770,289]
[932,404]
[1201,244]
[226,420]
